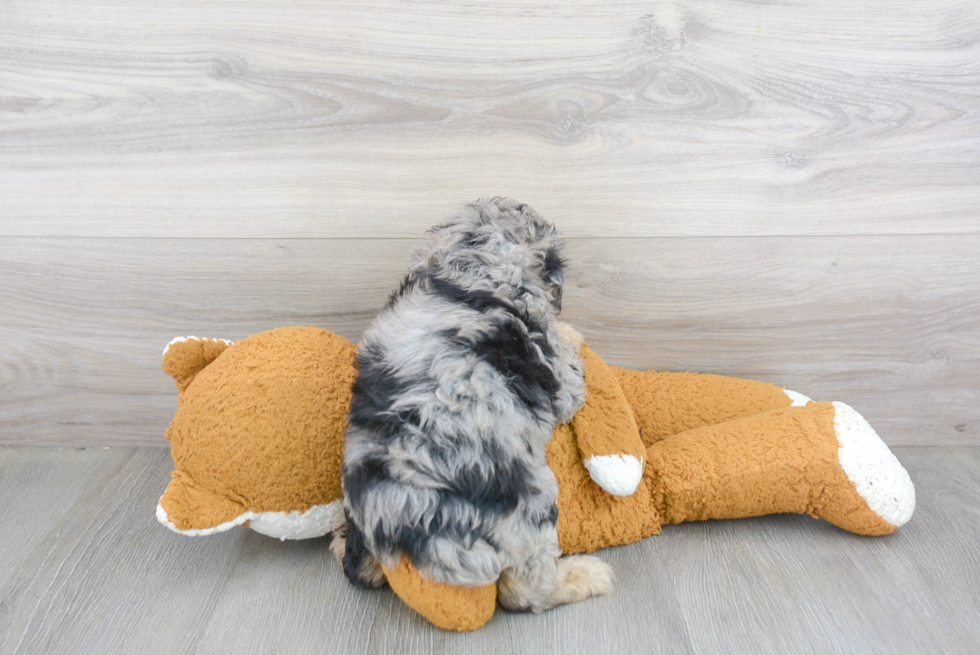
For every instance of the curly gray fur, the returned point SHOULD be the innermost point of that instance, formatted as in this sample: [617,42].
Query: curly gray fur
[461,381]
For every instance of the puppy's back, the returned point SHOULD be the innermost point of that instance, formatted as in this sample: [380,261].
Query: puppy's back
[445,440]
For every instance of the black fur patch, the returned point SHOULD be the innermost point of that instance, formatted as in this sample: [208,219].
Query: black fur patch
[354,553]
[367,473]
[551,518]
[372,395]
[492,492]
[482,301]
[477,300]
[413,540]
[475,240]
[406,284]
[554,266]
[512,353]
[511,349]
[409,539]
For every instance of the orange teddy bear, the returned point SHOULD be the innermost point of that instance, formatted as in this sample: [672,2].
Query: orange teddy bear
[257,440]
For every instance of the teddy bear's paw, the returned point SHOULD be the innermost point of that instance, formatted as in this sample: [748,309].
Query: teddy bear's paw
[799,400]
[580,577]
[878,476]
[619,475]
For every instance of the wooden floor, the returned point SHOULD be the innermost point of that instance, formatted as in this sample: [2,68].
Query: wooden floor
[85,568]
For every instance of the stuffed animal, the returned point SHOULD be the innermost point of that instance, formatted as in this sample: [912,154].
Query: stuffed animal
[257,440]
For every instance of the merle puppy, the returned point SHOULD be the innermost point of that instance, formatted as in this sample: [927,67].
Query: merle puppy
[461,380]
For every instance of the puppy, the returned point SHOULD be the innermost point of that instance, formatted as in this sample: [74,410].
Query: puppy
[461,380]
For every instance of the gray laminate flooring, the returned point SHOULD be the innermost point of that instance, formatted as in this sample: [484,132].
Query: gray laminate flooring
[85,568]
[784,191]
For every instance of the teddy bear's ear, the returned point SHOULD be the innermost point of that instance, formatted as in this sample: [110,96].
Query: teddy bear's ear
[184,357]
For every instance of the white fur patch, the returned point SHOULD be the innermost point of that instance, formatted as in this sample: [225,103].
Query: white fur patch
[799,400]
[314,522]
[182,339]
[877,474]
[619,475]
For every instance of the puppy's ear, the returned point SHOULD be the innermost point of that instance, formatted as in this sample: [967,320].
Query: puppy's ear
[553,274]
[554,267]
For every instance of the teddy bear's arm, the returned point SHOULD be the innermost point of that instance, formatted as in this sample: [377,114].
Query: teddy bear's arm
[606,434]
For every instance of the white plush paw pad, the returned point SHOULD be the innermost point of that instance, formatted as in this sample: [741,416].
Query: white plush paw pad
[314,522]
[620,475]
[799,400]
[879,477]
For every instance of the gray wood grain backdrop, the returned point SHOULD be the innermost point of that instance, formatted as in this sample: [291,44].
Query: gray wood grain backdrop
[788,191]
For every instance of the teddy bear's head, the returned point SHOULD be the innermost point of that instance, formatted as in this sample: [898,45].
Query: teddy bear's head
[258,436]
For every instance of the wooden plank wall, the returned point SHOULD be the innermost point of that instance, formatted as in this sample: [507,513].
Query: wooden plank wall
[788,191]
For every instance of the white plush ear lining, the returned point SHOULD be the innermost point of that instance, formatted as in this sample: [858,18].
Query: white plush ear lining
[619,475]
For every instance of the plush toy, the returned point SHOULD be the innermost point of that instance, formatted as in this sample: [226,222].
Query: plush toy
[257,440]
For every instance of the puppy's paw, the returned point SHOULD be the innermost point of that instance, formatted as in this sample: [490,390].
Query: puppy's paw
[369,572]
[338,544]
[569,335]
[580,577]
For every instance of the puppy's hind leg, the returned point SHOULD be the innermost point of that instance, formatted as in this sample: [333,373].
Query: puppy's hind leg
[543,583]
[580,577]
[338,545]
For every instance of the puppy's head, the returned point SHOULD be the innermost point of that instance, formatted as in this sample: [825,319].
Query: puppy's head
[497,245]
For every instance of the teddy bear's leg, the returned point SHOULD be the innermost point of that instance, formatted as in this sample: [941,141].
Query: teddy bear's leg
[446,606]
[625,411]
[822,459]
[665,404]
